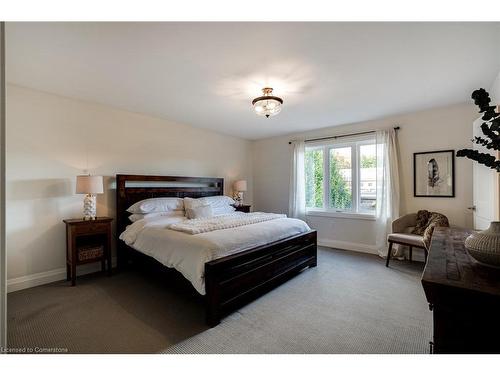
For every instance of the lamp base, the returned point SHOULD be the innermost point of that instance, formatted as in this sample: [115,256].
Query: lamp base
[89,207]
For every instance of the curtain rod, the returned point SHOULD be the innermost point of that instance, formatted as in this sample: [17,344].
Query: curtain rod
[341,136]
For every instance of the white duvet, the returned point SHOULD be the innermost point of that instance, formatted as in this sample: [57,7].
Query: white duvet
[188,253]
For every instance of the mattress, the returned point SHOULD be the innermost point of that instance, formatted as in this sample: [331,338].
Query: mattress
[188,253]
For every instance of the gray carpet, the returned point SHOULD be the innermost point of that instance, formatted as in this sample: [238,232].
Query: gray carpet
[350,303]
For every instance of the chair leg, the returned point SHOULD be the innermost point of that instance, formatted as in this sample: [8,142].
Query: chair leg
[388,254]
[411,253]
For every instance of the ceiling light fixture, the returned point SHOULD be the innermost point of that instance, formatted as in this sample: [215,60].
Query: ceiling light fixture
[267,105]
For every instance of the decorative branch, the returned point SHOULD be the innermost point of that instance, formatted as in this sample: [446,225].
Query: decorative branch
[483,142]
[490,128]
[482,158]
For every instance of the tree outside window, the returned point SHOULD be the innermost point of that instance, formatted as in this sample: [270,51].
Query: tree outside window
[314,178]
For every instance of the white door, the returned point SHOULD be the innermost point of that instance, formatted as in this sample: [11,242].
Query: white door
[485,185]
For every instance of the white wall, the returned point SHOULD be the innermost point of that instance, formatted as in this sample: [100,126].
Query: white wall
[495,91]
[50,136]
[48,140]
[437,129]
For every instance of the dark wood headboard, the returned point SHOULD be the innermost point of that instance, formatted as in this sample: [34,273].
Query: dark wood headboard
[132,188]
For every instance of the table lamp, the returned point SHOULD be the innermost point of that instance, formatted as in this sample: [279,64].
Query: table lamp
[240,186]
[89,185]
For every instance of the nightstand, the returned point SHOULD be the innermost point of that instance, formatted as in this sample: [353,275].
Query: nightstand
[87,241]
[243,208]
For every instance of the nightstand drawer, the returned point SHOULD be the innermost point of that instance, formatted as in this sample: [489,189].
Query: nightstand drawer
[91,228]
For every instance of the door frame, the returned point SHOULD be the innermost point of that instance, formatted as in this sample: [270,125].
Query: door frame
[493,178]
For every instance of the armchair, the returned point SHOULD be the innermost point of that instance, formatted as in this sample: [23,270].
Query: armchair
[401,234]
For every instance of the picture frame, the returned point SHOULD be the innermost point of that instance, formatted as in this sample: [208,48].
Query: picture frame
[434,174]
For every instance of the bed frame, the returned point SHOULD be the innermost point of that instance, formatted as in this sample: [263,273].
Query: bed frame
[233,280]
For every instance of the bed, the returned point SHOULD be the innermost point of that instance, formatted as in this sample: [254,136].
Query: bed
[260,256]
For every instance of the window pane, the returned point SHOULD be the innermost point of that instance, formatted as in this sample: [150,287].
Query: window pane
[314,178]
[368,177]
[340,178]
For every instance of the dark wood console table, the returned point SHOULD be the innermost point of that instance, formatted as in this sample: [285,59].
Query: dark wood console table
[463,295]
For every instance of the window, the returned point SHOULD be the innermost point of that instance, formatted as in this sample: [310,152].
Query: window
[314,177]
[367,177]
[341,177]
[340,187]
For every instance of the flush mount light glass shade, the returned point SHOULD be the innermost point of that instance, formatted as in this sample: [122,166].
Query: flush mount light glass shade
[267,105]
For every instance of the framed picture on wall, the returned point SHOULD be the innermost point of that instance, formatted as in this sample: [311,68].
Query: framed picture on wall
[434,174]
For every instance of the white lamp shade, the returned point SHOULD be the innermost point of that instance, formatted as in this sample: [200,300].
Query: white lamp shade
[240,185]
[89,185]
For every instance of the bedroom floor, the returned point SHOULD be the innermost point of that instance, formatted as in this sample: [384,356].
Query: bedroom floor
[350,303]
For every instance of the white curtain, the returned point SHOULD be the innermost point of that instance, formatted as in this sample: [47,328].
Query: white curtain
[297,198]
[387,186]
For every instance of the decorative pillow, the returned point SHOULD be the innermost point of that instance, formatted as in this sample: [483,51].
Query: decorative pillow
[220,204]
[147,206]
[192,203]
[135,217]
[199,212]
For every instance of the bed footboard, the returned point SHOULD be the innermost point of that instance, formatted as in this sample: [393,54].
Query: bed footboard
[235,280]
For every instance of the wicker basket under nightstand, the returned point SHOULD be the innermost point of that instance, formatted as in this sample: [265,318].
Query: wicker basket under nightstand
[87,241]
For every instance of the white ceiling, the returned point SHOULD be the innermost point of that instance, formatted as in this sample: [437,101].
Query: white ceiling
[206,74]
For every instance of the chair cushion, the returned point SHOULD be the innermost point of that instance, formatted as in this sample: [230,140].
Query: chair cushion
[407,238]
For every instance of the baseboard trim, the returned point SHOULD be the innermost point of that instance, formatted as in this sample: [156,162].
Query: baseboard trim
[352,246]
[36,279]
[41,278]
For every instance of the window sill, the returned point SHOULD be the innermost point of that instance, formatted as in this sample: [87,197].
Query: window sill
[342,215]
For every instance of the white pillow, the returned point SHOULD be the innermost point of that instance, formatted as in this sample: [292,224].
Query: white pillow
[147,206]
[219,200]
[199,212]
[223,210]
[135,217]
[220,204]
[163,220]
